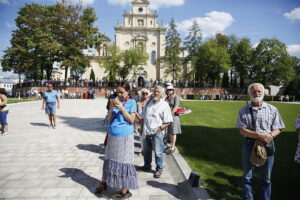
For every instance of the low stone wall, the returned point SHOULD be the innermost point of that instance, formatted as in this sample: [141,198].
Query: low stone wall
[101,91]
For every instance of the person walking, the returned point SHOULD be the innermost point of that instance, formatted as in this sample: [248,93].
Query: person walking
[118,168]
[144,97]
[174,128]
[156,118]
[49,105]
[3,112]
[260,123]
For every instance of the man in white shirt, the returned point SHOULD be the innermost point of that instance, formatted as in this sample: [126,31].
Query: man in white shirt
[156,117]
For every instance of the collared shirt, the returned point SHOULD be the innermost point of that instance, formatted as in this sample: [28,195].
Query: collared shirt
[50,97]
[155,114]
[266,117]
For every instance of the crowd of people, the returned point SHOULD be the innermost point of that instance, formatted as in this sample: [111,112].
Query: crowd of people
[154,117]
[71,82]
[62,93]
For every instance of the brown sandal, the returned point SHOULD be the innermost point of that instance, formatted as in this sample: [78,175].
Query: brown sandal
[122,195]
[101,187]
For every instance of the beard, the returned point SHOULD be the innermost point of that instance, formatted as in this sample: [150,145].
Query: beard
[257,99]
[156,98]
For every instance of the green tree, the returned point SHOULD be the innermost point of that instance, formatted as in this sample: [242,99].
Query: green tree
[131,59]
[173,63]
[33,45]
[191,43]
[76,32]
[293,88]
[48,34]
[212,60]
[92,75]
[112,62]
[241,58]
[223,40]
[225,80]
[272,64]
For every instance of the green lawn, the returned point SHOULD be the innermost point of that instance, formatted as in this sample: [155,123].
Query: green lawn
[16,100]
[211,145]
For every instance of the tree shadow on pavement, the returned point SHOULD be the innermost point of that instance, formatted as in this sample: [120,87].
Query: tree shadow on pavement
[92,148]
[91,183]
[170,188]
[86,124]
[38,124]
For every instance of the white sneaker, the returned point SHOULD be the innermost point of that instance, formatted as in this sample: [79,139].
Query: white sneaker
[4,133]
[54,126]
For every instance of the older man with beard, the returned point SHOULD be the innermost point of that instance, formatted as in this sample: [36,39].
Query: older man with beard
[259,123]
[156,116]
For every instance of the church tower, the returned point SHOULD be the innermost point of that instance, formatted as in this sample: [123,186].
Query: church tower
[141,30]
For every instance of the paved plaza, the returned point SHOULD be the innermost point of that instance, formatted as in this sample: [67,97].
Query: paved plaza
[37,162]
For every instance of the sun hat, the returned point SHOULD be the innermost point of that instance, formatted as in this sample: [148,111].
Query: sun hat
[170,87]
[258,156]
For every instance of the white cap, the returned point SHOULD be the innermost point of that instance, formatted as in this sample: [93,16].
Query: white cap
[170,87]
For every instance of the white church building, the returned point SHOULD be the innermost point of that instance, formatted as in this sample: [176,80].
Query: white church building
[139,29]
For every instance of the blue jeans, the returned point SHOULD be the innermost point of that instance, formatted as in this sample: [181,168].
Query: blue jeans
[154,142]
[50,108]
[248,170]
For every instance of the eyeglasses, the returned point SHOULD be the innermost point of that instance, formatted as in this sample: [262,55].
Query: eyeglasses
[144,93]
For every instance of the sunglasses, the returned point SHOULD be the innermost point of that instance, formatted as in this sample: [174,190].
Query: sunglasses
[144,93]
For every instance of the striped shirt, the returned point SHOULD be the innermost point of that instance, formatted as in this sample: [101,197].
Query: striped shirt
[266,117]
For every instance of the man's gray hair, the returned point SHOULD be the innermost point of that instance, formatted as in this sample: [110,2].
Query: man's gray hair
[161,89]
[251,85]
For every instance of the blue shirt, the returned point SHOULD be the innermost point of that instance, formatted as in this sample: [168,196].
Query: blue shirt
[119,126]
[50,97]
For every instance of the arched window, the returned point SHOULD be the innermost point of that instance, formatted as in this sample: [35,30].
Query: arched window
[140,22]
[140,47]
[153,56]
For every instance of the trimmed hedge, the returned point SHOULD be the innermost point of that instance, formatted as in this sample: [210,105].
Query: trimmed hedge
[239,97]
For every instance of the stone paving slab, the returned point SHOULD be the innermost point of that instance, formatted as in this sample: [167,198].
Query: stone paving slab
[37,162]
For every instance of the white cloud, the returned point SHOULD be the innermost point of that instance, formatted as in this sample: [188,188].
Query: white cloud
[84,2]
[10,26]
[119,2]
[214,22]
[4,1]
[154,4]
[293,15]
[294,50]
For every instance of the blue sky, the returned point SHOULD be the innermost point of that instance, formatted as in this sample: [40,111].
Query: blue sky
[256,19]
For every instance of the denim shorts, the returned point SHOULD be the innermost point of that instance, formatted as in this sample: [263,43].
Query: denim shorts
[50,108]
[3,116]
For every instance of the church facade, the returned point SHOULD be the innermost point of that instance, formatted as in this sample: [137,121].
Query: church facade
[139,29]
